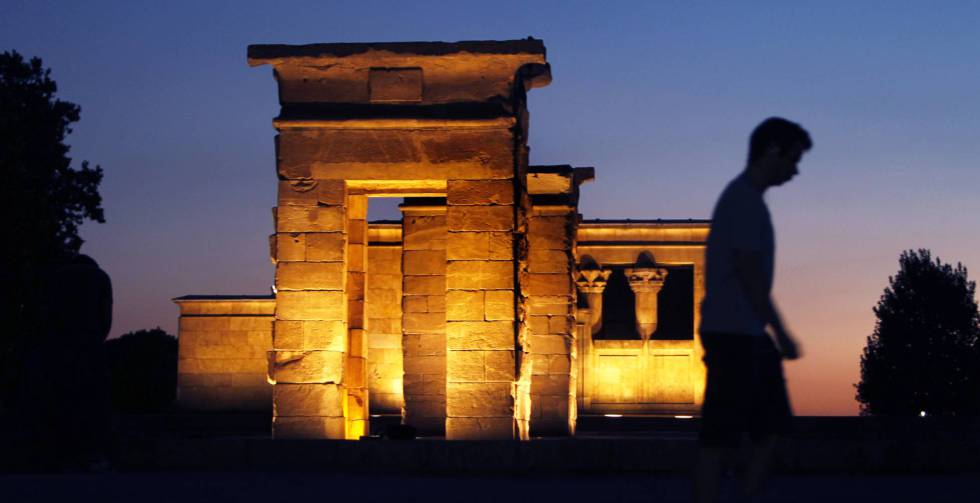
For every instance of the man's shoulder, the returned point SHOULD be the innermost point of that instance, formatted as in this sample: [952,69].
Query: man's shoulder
[738,197]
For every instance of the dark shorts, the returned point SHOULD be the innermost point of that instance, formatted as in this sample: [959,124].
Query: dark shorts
[746,390]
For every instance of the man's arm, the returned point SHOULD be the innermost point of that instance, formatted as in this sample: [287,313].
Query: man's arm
[748,267]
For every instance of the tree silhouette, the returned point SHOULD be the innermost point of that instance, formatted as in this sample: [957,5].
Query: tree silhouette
[42,199]
[143,370]
[923,354]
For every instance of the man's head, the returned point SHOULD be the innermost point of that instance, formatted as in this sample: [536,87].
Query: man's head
[775,148]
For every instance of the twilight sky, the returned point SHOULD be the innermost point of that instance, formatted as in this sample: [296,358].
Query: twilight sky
[659,96]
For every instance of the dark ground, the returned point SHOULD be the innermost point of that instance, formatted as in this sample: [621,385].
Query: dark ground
[271,487]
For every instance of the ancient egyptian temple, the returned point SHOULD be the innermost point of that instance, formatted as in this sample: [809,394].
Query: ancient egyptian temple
[490,310]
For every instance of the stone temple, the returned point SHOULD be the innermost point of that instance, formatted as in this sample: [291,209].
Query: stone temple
[490,310]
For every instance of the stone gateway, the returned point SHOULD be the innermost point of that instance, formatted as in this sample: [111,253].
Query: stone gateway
[491,310]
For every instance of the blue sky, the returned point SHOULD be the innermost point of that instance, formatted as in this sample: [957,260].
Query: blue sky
[658,96]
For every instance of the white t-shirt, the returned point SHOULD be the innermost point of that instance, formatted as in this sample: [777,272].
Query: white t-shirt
[740,222]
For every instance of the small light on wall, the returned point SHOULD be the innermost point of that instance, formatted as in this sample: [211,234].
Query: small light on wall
[274,291]
[683,417]
[613,415]
[922,413]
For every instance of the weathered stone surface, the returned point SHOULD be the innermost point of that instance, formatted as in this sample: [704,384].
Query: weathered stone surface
[466,366]
[548,261]
[468,246]
[420,323]
[480,192]
[290,247]
[310,219]
[487,335]
[222,365]
[424,344]
[479,428]
[325,247]
[424,262]
[310,276]
[499,305]
[479,275]
[307,367]
[415,304]
[395,85]
[308,400]
[501,246]
[464,305]
[550,304]
[480,399]
[308,427]
[480,218]
[311,305]
[424,232]
[500,366]
[549,344]
[550,284]
[425,365]
[425,285]
[298,192]
[553,384]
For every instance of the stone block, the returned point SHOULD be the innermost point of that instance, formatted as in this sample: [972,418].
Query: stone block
[424,409]
[381,342]
[357,208]
[308,427]
[561,325]
[480,218]
[501,246]
[298,192]
[386,325]
[548,242]
[425,365]
[479,399]
[480,275]
[436,303]
[204,324]
[420,323]
[468,246]
[465,366]
[326,247]
[311,305]
[538,325]
[310,276]
[424,285]
[290,247]
[357,342]
[479,428]
[384,260]
[554,227]
[332,193]
[549,344]
[417,389]
[548,261]
[299,335]
[424,262]
[415,304]
[464,305]
[356,373]
[499,305]
[480,192]
[500,365]
[307,367]
[424,344]
[485,335]
[356,257]
[550,284]
[383,304]
[250,323]
[310,219]
[552,384]
[357,231]
[480,147]
[308,400]
[301,149]
[424,232]
[550,304]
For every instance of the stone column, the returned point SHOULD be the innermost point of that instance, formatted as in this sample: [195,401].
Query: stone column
[310,334]
[424,315]
[551,303]
[358,415]
[646,283]
[583,325]
[591,283]
[480,307]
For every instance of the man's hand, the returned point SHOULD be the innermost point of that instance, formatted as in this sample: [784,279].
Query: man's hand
[788,345]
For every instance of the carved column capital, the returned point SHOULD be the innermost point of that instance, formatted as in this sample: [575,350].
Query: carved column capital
[646,279]
[592,280]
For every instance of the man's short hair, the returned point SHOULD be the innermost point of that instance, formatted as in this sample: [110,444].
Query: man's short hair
[776,130]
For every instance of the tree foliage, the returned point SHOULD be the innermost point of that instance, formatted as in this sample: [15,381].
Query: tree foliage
[923,355]
[143,370]
[44,200]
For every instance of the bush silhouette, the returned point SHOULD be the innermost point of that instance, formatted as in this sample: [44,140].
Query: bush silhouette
[143,368]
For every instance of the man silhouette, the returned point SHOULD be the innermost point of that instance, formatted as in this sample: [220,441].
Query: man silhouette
[746,392]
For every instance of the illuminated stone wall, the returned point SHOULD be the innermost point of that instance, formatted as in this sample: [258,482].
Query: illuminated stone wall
[223,342]
[384,299]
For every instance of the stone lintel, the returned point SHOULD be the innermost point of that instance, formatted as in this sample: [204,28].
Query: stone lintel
[406,75]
